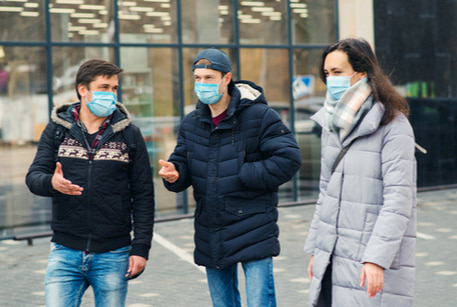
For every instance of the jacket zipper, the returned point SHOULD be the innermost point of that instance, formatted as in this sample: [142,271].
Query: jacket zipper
[89,209]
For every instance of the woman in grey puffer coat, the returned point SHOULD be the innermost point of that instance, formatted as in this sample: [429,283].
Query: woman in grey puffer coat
[363,233]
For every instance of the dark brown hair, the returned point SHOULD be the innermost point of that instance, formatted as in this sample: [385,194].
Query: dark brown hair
[362,59]
[91,69]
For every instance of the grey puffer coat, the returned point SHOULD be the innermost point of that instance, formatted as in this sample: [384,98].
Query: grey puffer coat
[366,212]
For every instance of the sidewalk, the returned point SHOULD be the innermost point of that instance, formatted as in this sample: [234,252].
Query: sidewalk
[171,278]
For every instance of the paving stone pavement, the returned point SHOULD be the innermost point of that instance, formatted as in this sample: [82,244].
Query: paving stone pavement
[171,279]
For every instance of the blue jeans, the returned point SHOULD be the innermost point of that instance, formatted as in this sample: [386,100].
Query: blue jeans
[70,272]
[260,288]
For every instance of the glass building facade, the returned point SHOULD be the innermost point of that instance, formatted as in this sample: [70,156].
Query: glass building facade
[274,43]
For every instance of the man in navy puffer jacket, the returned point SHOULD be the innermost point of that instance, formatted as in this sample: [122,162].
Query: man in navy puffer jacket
[235,152]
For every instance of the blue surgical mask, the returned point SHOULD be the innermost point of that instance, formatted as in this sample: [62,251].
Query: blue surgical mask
[103,103]
[208,93]
[338,85]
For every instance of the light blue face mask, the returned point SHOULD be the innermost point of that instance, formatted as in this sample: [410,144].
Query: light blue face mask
[338,85]
[208,93]
[103,103]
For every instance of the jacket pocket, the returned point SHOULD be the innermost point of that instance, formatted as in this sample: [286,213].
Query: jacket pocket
[240,208]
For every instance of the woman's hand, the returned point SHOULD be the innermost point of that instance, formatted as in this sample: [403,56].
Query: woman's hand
[310,268]
[374,275]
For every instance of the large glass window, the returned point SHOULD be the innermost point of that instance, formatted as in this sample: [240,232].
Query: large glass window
[150,91]
[263,22]
[22,20]
[81,20]
[23,115]
[155,42]
[313,22]
[148,21]
[207,22]
[309,95]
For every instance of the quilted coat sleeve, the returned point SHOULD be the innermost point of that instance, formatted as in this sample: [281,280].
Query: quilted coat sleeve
[283,158]
[38,178]
[398,171]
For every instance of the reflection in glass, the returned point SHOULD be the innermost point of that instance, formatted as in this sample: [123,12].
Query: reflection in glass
[263,22]
[27,18]
[313,22]
[144,21]
[150,91]
[65,65]
[81,20]
[23,116]
[309,94]
[207,21]
[269,69]
[23,93]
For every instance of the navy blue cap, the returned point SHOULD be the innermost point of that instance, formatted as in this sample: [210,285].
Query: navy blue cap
[218,58]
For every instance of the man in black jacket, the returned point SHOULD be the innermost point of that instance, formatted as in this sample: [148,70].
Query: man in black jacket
[235,152]
[99,177]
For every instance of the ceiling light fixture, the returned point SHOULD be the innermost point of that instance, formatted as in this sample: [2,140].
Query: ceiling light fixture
[157,14]
[92,7]
[128,3]
[10,9]
[30,14]
[88,21]
[130,17]
[83,15]
[251,3]
[58,10]
[89,32]
[141,9]
[299,11]
[262,9]
[298,5]
[250,21]
[70,1]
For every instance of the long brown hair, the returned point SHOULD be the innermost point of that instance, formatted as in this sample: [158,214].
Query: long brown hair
[362,59]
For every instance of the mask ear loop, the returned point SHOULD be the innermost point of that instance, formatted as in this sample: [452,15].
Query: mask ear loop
[219,83]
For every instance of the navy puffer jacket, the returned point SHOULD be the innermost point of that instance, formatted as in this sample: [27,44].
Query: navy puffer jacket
[235,170]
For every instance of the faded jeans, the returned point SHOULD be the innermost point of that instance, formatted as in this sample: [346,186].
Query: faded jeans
[70,272]
[260,288]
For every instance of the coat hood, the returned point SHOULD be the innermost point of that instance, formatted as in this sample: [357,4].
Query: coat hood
[244,94]
[62,115]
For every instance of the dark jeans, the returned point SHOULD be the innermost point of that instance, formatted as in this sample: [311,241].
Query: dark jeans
[325,297]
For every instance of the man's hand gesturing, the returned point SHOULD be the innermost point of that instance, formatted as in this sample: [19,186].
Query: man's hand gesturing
[64,186]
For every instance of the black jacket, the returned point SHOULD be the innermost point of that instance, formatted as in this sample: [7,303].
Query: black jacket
[115,191]
[235,170]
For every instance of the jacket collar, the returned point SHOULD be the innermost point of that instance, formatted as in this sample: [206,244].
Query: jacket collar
[62,115]
[368,125]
